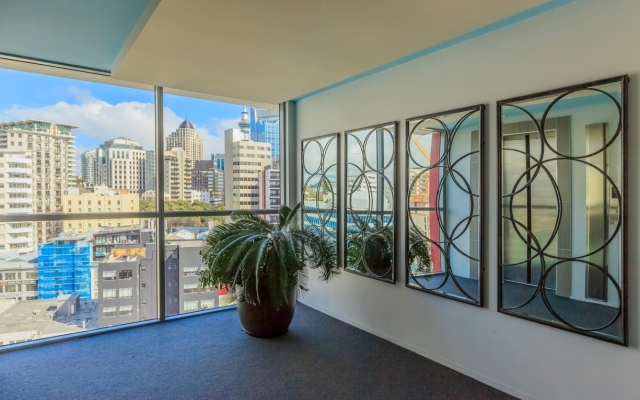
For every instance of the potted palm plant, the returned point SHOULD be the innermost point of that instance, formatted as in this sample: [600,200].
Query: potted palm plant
[265,265]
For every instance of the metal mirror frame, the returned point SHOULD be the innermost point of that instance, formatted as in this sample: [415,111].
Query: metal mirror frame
[321,171]
[394,203]
[623,134]
[481,267]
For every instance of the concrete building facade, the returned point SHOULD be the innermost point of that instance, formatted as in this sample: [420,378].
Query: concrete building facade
[121,164]
[177,174]
[186,138]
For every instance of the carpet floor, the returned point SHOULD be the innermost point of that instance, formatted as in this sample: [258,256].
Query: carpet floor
[210,357]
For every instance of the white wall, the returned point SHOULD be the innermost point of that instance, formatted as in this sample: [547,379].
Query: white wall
[584,41]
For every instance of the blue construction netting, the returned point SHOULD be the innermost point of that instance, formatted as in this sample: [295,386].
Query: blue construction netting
[64,268]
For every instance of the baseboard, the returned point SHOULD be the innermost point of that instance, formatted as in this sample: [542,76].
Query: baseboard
[433,357]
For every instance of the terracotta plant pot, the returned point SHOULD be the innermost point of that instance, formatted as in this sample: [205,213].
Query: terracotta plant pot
[263,320]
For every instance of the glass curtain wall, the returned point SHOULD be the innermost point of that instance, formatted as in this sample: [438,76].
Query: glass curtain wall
[92,191]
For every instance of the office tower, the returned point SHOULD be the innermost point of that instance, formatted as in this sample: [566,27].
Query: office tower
[270,188]
[265,127]
[150,170]
[100,202]
[177,174]
[64,267]
[245,161]
[218,158]
[88,160]
[206,177]
[186,138]
[51,149]
[120,164]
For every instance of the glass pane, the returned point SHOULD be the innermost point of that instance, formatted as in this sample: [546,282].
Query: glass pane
[183,263]
[444,204]
[69,146]
[220,156]
[562,163]
[96,273]
[370,201]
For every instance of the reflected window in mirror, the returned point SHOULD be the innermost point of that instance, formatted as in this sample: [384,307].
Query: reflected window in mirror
[320,186]
[562,216]
[369,201]
[444,172]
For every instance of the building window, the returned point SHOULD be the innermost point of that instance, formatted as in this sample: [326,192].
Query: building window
[125,274]
[125,310]
[31,288]
[108,293]
[32,275]
[209,303]
[109,311]
[108,275]
[190,271]
[125,292]
[191,305]
[191,288]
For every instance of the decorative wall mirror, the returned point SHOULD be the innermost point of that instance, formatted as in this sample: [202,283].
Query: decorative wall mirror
[444,170]
[562,220]
[369,194]
[320,184]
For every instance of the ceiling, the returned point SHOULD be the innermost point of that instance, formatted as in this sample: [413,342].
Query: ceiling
[260,51]
[84,33]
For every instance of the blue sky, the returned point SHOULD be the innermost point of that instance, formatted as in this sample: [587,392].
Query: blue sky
[103,112]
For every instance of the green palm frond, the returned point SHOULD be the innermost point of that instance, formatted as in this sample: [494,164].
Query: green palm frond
[249,253]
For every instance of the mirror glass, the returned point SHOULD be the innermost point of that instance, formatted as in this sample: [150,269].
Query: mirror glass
[320,185]
[370,173]
[561,171]
[443,204]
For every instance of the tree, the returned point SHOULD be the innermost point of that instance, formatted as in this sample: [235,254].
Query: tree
[147,205]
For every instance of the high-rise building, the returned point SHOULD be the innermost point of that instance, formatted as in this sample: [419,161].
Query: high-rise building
[270,188]
[177,174]
[121,164]
[64,267]
[206,177]
[265,127]
[245,161]
[218,158]
[16,171]
[150,170]
[88,160]
[186,138]
[51,148]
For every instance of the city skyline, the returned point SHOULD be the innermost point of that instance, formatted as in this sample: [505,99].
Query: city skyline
[103,112]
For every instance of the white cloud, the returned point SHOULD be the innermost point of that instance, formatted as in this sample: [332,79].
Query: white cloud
[99,120]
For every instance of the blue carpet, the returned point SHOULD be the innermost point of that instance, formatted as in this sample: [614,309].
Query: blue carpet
[211,357]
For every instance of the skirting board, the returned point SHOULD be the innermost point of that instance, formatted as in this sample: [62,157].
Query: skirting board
[432,357]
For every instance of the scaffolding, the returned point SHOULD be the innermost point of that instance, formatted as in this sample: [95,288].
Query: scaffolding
[64,268]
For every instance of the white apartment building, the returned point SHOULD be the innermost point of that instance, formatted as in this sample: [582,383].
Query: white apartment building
[51,149]
[121,164]
[245,162]
[16,197]
[185,137]
[88,160]
[177,174]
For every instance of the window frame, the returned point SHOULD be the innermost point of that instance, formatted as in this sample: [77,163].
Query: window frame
[160,214]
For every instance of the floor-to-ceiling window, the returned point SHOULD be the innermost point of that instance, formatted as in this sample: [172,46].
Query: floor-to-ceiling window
[103,212]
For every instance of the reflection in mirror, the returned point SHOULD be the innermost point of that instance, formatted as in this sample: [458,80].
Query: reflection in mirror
[444,186]
[562,169]
[370,201]
[320,185]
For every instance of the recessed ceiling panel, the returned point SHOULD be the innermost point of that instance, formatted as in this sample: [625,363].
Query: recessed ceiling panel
[83,33]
